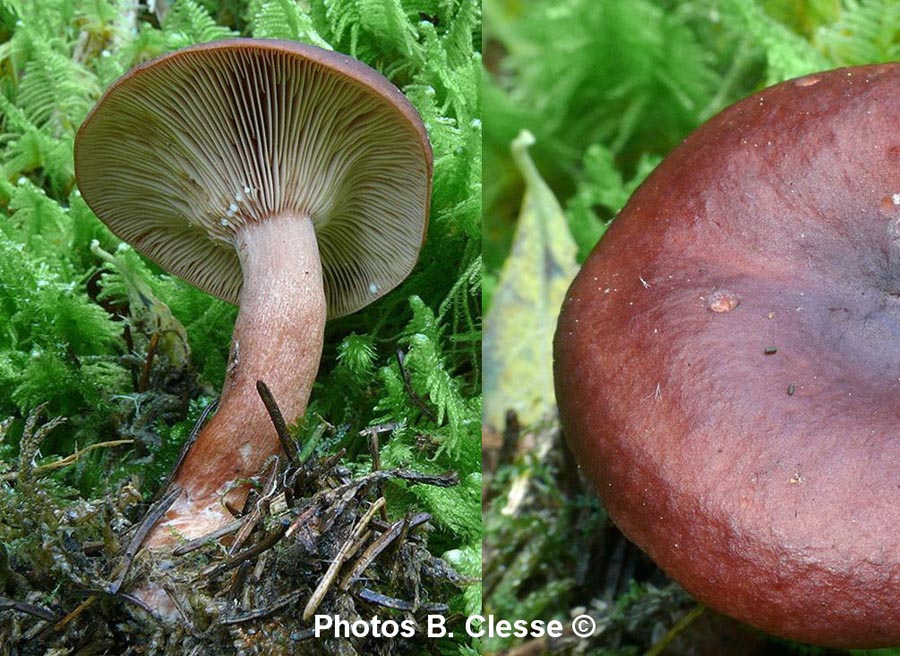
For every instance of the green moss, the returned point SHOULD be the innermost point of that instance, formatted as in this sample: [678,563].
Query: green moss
[73,337]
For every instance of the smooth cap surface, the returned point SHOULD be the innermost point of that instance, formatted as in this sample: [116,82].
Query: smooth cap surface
[183,151]
[727,362]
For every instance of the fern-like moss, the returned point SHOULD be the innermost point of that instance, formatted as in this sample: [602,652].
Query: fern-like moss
[72,335]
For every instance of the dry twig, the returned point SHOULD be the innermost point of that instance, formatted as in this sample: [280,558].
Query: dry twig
[347,549]
[70,459]
[154,514]
[380,544]
[265,544]
[28,609]
[287,442]
[407,385]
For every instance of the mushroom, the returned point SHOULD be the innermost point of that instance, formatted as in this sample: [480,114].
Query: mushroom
[727,362]
[291,180]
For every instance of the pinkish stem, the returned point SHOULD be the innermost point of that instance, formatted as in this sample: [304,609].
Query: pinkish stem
[277,339]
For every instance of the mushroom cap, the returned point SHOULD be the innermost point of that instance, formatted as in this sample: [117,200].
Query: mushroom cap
[185,150]
[727,362]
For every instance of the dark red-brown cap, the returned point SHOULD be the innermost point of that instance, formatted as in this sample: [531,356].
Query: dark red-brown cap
[185,150]
[727,361]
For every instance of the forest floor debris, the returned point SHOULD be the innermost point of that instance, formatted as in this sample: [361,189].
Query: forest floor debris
[313,538]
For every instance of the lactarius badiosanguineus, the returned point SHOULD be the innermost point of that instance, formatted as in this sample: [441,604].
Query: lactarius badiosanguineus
[288,179]
[727,361]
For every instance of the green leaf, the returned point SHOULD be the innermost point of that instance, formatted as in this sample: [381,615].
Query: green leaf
[518,373]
